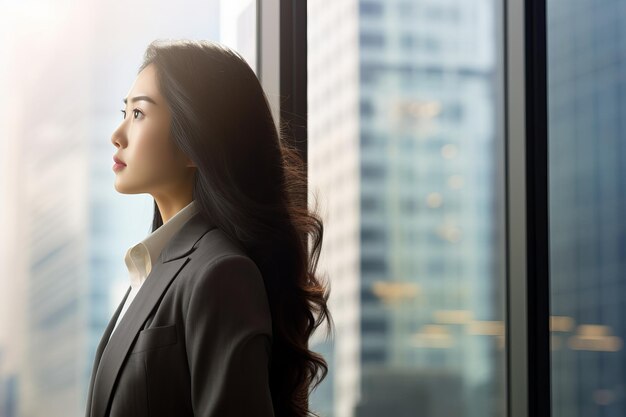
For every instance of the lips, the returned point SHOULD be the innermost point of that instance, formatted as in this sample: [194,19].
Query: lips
[118,161]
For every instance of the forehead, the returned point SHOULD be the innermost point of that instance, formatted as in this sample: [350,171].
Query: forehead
[145,83]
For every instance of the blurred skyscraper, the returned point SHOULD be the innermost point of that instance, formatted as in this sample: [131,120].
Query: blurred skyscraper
[587,150]
[45,185]
[403,138]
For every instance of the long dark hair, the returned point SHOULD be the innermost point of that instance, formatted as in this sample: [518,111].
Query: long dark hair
[251,183]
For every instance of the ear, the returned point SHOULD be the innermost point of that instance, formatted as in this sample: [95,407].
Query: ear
[190,163]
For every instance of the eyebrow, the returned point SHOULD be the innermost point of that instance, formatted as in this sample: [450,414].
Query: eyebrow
[146,98]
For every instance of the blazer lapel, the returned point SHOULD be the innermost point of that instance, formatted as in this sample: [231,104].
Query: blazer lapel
[171,260]
[100,349]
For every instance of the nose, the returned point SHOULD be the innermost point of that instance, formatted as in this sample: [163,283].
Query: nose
[118,138]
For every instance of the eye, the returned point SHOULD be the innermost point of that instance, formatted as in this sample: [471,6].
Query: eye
[134,112]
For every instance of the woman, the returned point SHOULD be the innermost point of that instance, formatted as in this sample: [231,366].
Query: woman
[223,293]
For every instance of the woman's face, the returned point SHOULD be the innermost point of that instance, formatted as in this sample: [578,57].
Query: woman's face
[154,164]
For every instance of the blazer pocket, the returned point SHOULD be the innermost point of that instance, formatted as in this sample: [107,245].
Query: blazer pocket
[155,337]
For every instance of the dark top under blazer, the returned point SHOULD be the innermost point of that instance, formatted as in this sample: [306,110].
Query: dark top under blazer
[195,341]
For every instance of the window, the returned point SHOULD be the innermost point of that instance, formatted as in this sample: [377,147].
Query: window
[414,127]
[372,40]
[586,102]
[369,8]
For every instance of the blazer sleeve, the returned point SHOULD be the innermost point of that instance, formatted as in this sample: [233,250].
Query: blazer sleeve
[228,335]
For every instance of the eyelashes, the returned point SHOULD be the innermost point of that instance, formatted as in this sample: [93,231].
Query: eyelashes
[134,110]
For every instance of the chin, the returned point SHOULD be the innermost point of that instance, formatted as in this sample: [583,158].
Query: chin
[122,188]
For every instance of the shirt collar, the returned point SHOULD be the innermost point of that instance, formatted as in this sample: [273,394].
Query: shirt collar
[141,257]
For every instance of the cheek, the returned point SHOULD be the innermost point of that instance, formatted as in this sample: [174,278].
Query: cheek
[154,153]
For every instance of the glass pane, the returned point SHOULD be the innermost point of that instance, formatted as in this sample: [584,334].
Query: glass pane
[587,147]
[406,156]
[64,230]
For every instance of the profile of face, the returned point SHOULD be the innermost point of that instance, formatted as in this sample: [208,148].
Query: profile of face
[153,162]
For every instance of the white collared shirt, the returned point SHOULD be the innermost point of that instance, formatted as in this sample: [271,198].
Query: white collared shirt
[141,257]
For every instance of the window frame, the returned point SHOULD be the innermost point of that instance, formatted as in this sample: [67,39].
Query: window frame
[528,280]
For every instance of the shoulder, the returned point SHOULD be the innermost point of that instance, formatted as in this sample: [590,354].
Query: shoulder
[212,251]
[214,244]
[220,272]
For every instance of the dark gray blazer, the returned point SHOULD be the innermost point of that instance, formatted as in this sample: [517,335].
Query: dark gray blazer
[195,341]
